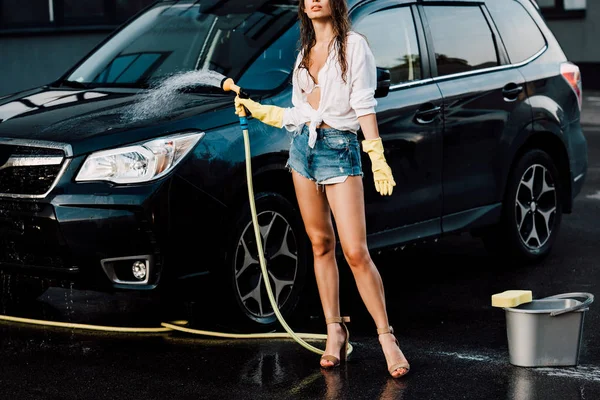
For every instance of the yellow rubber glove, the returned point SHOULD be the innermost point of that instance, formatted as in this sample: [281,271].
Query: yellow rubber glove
[382,173]
[270,115]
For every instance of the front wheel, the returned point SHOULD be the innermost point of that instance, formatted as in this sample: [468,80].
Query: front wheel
[532,211]
[284,245]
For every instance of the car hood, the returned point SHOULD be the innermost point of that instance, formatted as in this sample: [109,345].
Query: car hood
[94,119]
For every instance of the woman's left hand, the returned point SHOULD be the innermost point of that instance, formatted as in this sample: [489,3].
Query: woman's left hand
[382,173]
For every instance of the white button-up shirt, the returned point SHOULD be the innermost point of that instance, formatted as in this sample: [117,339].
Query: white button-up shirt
[341,103]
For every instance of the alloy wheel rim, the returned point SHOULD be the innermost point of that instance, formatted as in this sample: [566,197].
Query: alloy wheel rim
[280,249]
[535,207]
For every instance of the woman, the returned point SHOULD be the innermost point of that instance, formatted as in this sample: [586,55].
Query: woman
[334,83]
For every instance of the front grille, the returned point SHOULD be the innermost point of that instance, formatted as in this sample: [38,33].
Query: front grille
[29,170]
[28,180]
[30,236]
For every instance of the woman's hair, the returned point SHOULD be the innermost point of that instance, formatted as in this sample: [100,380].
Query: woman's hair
[341,27]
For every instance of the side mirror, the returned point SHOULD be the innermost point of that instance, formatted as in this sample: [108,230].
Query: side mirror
[383,82]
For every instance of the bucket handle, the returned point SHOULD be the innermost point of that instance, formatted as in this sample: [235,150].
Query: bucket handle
[589,299]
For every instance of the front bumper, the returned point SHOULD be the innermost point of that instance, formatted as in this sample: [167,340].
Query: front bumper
[87,236]
[85,241]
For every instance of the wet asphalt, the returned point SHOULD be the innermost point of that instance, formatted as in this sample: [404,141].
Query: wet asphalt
[439,302]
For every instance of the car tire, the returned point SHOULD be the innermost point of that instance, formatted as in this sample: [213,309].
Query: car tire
[531,213]
[286,254]
[15,289]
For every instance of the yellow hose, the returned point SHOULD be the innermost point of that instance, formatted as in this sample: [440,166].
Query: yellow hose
[271,335]
[86,326]
[178,325]
[263,264]
[167,327]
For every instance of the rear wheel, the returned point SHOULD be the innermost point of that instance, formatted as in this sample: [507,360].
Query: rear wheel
[532,211]
[284,245]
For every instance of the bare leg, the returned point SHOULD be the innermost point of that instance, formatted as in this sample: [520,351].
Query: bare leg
[316,215]
[347,203]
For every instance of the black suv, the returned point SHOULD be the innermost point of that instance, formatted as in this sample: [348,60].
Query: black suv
[110,181]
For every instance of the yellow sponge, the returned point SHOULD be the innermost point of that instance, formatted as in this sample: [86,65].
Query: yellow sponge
[511,298]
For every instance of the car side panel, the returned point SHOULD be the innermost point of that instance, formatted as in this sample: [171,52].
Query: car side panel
[478,123]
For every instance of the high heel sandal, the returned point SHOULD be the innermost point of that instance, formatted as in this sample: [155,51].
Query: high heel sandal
[394,367]
[344,350]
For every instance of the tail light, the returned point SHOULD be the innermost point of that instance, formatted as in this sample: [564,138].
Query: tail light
[572,75]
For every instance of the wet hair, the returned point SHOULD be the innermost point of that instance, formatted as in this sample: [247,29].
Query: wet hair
[341,28]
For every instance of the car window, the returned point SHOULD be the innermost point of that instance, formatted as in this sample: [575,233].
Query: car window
[274,66]
[514,24]
[462,46]
[396,47]
[175,37]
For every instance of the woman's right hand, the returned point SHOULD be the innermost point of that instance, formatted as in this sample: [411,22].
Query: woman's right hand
[270,115]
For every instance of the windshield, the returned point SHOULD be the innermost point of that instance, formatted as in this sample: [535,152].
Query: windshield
[226,36]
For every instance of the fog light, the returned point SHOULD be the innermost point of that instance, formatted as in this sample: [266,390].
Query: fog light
[139,270]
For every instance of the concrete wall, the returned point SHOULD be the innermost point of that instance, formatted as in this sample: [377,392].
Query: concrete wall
[580,39]
[33,60]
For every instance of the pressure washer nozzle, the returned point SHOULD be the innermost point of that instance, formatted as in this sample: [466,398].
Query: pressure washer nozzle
[227,84]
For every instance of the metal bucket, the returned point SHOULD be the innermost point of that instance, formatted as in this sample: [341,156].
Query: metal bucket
[547,332]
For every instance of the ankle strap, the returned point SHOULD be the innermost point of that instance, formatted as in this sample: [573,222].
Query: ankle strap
[388,329]
[337,320]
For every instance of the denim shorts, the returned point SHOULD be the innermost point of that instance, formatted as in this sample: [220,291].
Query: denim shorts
[336,154]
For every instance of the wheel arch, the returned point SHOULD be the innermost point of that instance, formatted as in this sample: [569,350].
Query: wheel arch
[271,177]
[547,136]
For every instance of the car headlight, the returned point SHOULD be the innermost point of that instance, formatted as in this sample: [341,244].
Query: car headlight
[138,163]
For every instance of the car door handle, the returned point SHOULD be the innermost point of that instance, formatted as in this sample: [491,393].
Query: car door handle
[512,91]
[428,115]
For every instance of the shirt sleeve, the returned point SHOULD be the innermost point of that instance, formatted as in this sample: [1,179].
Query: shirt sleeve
[363,73]
[292,116]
